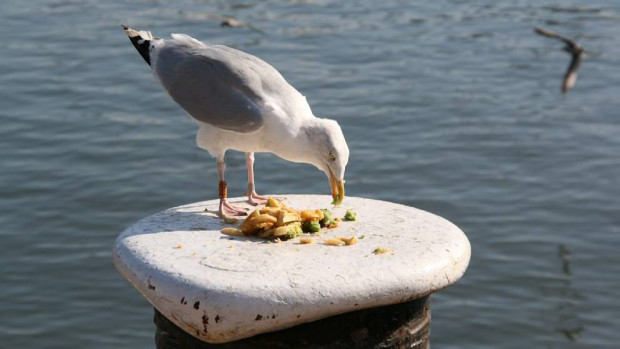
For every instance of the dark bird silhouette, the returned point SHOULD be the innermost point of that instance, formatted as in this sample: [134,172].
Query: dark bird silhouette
[577,52]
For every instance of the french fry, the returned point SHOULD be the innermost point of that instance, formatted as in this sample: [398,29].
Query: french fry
[261,218]
[281,231]
[349,241]
[308,215]
[232,231]
[333,242]
[319,214]
[290,218]
[280,217]
[272,211]
[264,225]
[246,228]
[271,202]
[305,240]
[251,225]
[245,224]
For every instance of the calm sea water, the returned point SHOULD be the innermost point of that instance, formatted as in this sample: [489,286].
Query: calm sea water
[452,107]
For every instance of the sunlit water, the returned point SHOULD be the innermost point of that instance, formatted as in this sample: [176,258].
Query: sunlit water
[452,107]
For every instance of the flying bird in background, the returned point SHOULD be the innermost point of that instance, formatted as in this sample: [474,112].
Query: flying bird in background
[242,103]
[577,52]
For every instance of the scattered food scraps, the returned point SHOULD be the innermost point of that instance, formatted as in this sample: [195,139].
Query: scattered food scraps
[381,250]
[232,231]
[230,220]
[306,240]
[349,240]
[333,242]
[350,215]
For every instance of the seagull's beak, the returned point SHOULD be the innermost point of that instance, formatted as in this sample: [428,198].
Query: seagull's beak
[337,188]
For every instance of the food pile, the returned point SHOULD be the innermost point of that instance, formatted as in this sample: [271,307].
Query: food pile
[278,221]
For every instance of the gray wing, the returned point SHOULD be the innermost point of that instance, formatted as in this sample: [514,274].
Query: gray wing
[212,86]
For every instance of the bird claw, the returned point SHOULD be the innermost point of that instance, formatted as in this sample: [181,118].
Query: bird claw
[226,209]
[255,199]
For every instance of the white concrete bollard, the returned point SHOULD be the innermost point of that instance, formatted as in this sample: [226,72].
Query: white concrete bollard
[222,289]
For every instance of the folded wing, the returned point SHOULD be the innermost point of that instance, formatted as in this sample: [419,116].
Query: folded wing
[207,83]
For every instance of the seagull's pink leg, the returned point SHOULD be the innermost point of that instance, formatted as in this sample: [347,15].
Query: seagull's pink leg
[253,198]
[225,208]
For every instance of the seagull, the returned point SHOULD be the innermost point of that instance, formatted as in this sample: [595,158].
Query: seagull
[242,103]
[577,52]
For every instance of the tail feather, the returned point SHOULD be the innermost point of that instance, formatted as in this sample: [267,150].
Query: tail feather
[141,40]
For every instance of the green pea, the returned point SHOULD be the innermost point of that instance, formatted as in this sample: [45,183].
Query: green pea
[327,217]
[350,216]
[311,227]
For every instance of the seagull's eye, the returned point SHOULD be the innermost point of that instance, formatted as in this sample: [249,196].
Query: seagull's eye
[332,157]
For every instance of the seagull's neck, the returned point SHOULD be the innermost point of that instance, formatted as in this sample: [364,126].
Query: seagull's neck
[297,146]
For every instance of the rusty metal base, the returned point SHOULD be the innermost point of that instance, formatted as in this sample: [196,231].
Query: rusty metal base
[404,325]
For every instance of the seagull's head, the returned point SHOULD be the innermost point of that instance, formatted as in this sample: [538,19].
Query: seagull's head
[328,151]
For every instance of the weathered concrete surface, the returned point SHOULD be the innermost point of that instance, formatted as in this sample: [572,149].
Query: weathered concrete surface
[220,289]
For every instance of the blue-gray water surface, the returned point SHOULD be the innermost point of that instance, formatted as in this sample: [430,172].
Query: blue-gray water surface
[450,106]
